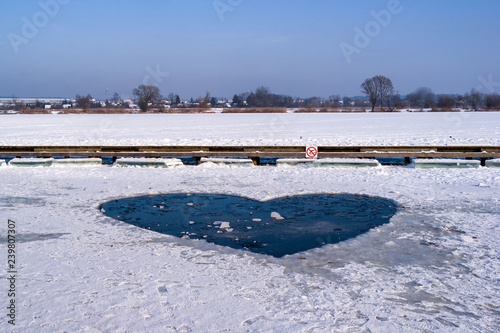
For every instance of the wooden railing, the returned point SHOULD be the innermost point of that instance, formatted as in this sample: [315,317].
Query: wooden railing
[254,152]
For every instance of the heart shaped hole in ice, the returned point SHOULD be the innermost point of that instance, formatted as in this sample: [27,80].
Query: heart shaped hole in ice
[276,227]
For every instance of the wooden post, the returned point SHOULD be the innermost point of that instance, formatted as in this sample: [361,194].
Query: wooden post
[256,160]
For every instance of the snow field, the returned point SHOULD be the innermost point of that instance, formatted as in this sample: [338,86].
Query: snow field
[434,267]
[482,128]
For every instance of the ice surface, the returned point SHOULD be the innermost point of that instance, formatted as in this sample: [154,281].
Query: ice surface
[149,162]
[471,128]
[76,162]
[276,216]
[345,162]
[445,163]
[433,268]
[228,161]
[31,162]
[3,163]
[493,163]
[293,161]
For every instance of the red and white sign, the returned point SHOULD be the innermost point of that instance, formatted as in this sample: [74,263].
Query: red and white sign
[311,152]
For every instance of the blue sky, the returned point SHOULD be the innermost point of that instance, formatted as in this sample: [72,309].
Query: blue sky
[299,48]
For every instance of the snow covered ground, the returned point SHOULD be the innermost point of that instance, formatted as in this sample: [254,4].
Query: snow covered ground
[253,129]
[433,268]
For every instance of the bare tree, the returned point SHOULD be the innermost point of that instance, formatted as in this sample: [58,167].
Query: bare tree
[262,97]
[116,98]
[236,100]
[379,89]
[171,98]
[334,101]
[492,101]
[146,96]
[347,101]
[386,92]
[205,101]
[395,102]
[474,98]
[84,101]
[422,98]
[15,102]
[446,101]
[370,88]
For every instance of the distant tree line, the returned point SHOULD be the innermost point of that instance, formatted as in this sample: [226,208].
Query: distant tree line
[379,94]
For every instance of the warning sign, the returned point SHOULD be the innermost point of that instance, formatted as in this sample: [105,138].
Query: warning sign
[311,152]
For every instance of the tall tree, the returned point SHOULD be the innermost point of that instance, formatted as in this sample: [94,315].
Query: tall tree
[16,103]
[474,99]
[213,101]
[262,97]
[492,101]
[446,101]
[334,101]
[379,89]
[171,98]
[395,102]
[84,101]
[116,98]
[146,96]
[422,97]
[205,101]
[386,92]
[236,100]
[347,101]
[370,88]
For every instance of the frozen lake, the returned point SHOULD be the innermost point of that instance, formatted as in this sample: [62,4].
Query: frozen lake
[253,129]
[433,268]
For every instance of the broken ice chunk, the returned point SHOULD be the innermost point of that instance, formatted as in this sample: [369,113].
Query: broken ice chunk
[276,216]
[224,225]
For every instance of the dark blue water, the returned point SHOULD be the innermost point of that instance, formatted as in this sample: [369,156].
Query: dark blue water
[302,223]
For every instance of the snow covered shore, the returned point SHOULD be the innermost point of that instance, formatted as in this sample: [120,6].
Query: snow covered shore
[433,268]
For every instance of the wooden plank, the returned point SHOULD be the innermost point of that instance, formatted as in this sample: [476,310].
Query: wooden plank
[255,152]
